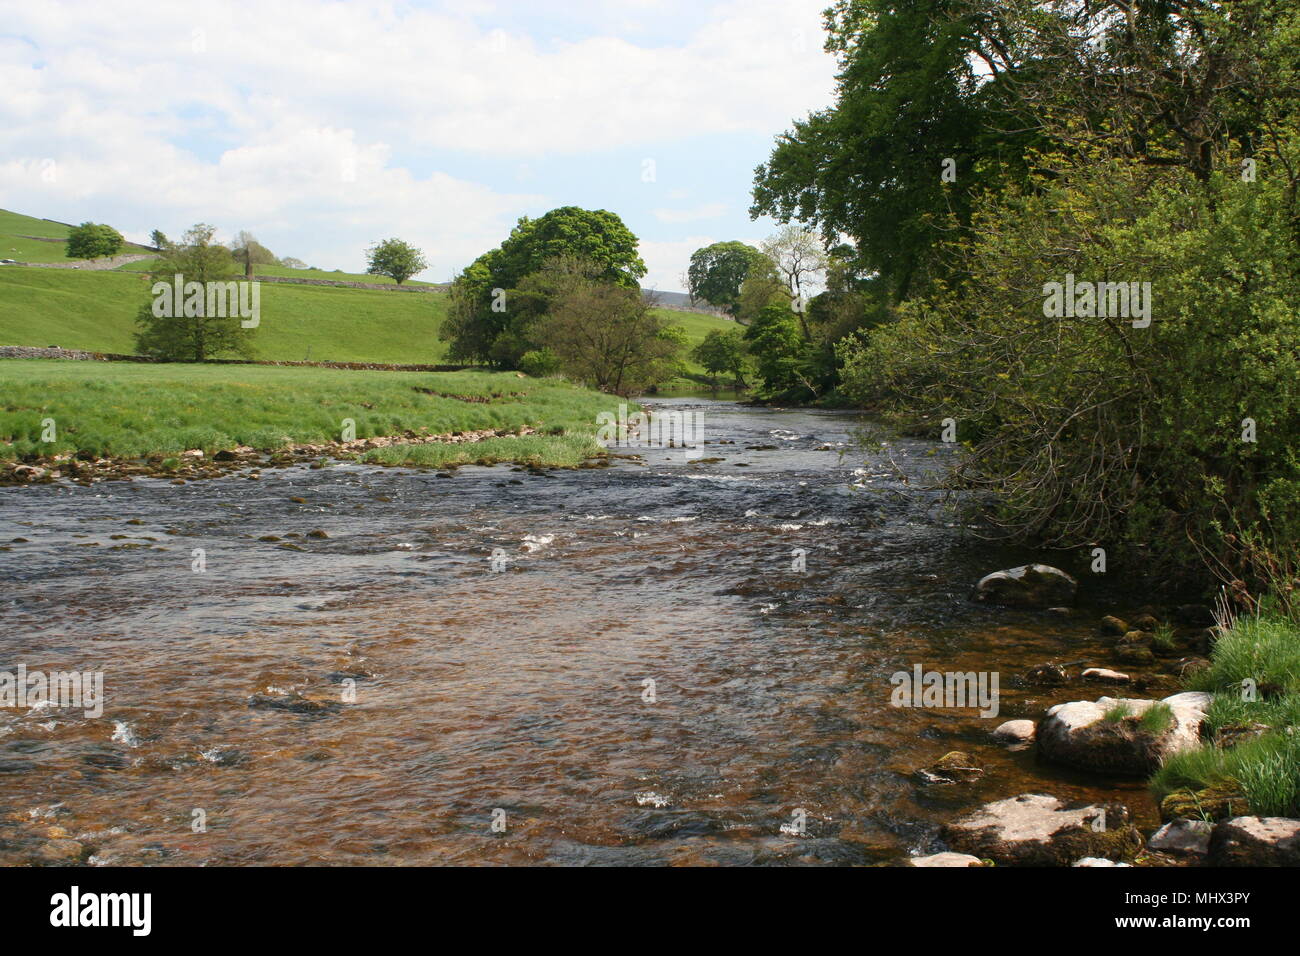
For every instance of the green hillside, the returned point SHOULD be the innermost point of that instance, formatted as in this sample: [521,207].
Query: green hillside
[12,223]
[96,311]
[14,244]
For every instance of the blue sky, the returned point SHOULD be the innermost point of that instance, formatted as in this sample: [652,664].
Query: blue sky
[323,127]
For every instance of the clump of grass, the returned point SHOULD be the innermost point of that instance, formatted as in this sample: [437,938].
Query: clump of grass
[1261,648]
[1254,676]
[1157,718]
[1115,712]
[1266,769]
[558,451]
[1163,638]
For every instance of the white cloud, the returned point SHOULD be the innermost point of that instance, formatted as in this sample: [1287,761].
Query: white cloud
[257,114]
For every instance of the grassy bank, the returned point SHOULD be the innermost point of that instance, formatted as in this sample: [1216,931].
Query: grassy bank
[1254,747]
[130,411]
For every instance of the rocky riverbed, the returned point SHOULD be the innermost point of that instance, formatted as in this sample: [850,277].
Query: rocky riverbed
[663,661]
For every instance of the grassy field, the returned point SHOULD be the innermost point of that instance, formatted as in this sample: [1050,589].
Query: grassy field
[96,311]
[14,227]
[125,410]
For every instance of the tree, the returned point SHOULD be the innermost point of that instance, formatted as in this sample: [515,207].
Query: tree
[249,253]
[289,262]
[396,259]
[723,351]
[196,336]
[93,240]
[492,303]
[597,236]
[778,348]
[610,337]
[761,288]
[717,272]
[914,93]
[799,259]
[159,239]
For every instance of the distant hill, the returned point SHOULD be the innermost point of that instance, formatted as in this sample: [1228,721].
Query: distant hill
[680,300]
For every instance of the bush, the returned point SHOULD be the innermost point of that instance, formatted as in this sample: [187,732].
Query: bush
[92,240]
[539,363]
[1094,430]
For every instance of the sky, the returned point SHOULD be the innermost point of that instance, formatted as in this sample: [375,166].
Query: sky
[323,127]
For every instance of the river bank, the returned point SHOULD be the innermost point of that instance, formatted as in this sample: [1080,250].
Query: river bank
[95,420]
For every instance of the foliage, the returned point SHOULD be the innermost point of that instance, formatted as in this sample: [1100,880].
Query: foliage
[723,352]
[492,307]
[93,241]
[609,336]
[396,259]
[717,272]
[250,253]
[193,337]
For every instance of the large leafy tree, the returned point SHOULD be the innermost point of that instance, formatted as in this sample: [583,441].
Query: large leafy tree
[92,240]
[717,272]
[723,351]
[911,98]
[396,259]
[196,337]
[608,336]
[492,306]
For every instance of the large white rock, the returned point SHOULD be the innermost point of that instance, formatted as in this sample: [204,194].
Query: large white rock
[1036,829]
[1099,861]
[1031,585]
[1076,734]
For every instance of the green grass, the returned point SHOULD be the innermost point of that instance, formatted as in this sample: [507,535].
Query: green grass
[130,410]
[31,250]
[96,311]
[14,227]
[1115,712]
[565,451]
[16,224]
[1263,650]
[1157,718]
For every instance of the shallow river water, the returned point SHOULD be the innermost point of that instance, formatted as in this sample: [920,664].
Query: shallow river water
[382,695]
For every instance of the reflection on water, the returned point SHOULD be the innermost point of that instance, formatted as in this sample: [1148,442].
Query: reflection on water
[528,690]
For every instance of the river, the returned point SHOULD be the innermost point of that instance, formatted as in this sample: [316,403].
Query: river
[382,695]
